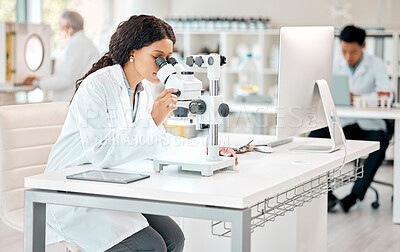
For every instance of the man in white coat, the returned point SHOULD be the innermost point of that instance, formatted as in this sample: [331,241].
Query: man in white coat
[367,76]
[78,56]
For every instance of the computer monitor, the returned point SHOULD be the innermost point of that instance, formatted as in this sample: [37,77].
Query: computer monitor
[304,99]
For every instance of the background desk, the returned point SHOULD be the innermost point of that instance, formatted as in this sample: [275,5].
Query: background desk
[224,196]
[351,112]
[7,93]
[378,113]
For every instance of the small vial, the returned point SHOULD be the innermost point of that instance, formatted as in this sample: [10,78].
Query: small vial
[243,24]
[260,24]
[234,24]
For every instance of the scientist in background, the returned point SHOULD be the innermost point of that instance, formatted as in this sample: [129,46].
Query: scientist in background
[367,76]
[77,58]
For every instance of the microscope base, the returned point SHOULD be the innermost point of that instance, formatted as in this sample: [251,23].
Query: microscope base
[195,163]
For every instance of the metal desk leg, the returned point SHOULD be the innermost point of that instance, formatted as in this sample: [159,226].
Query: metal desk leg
[241,232]
[396,173]
[34,224]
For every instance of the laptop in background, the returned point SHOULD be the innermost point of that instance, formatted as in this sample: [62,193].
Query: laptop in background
[340,90]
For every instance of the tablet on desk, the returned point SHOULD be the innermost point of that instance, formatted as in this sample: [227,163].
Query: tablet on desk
[108,176]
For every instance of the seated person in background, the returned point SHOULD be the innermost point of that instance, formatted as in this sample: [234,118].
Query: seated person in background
[78,56]
[112,119]
[367,75]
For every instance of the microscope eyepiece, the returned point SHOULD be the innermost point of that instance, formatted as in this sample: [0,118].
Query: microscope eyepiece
[172,61]
[161,61]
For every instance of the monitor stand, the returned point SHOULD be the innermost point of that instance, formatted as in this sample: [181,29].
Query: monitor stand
[335,130]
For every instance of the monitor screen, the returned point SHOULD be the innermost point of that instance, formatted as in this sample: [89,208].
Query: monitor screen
[306,55]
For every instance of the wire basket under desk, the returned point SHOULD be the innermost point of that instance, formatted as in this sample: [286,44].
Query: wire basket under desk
[272,207]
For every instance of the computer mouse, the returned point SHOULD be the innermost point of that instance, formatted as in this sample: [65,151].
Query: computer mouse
[264,149]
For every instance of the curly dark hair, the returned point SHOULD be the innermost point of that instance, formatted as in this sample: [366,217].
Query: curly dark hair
[133,34]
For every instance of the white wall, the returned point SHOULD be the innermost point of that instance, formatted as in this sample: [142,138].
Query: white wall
[283,12]
[123,9]
[294,12]
[103,22]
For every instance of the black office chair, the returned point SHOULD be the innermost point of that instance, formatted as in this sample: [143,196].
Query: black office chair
[390,132]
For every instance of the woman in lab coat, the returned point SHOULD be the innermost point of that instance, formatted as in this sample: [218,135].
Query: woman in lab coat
[112,120]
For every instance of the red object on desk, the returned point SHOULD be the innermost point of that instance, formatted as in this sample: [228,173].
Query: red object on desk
[381,93]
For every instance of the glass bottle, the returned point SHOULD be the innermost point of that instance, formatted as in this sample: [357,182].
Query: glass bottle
[248,77]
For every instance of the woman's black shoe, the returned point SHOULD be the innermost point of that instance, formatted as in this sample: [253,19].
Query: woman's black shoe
[332,201]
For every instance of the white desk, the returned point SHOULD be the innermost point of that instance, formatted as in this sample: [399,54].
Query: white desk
[225,196]
[351,112]
[378,113]
[7,93]
[12,89]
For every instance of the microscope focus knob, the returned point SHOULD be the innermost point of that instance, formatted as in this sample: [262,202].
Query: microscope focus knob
[199,61]
[178,93]
[197,107]
[190,61]
[223,110]
[223,60]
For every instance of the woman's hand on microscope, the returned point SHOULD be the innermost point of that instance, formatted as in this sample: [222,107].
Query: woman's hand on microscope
[164,104]
[227,152]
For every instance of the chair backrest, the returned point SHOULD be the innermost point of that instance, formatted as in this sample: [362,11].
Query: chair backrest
[27,134]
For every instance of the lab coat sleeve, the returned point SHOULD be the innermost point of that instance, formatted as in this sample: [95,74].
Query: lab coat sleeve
[106,145]
[382,82]
[68,73]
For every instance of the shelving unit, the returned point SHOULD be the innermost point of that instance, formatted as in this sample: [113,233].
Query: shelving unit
[385,44]
[226,43]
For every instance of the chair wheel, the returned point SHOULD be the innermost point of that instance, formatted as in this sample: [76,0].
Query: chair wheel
[375,205]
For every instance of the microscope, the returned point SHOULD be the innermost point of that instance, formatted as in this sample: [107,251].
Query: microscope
[206,111]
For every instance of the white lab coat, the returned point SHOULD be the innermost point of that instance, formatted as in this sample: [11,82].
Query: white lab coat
[76,60]
[99,130]
[369,77]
